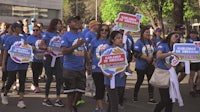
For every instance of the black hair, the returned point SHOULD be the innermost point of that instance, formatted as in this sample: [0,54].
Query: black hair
[113,35]
[99,31]
[168,38]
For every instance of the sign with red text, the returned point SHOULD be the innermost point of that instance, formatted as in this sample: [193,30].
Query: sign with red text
[128,22]
[187,51]
[21,52]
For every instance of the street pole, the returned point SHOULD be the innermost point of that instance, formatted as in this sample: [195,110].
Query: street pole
[96,10]
[76,7]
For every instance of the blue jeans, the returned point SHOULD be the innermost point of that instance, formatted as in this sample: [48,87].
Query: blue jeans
[50,71]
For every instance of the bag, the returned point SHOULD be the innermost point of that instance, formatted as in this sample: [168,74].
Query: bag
[160,78]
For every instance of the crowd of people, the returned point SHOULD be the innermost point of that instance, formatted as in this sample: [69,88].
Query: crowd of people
[77,52]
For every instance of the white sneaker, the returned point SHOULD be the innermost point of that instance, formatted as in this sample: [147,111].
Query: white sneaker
[21,104]
[4,99]
[32,87]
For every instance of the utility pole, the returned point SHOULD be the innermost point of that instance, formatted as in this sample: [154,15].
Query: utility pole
[96,10]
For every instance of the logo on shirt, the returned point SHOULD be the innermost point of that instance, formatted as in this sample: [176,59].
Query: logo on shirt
[100,49]
[147,50]
[80,50]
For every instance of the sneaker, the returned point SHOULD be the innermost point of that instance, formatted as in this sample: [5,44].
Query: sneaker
[33,87]
[152,101]
[47,102]
[79,102]
[59,103]
[4,99]
[21,104]
[37,90]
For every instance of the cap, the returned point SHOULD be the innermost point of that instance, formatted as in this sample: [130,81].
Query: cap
[72,18]
[15,25]
[158,30]
[93,22]
[193,31]
[33,20]
[179,27]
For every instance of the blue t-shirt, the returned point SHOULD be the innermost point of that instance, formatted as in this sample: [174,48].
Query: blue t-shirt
[97,47]
[85,31]
[88,37]
[3,39]
[75,60]
[144,49]
[189,40]
[129,42]
[156,41]
[11,65]
[47,36]
[37,53]
[120,78]
[161,63]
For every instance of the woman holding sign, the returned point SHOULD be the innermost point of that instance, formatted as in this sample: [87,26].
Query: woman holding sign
[14,65]
[99,44]
[143,52]
[117,58]
[163,53]
[52,40]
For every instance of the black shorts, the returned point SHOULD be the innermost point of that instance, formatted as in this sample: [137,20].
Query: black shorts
[74,81]
[195,67]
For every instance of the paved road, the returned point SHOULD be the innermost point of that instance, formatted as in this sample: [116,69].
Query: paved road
[33,101]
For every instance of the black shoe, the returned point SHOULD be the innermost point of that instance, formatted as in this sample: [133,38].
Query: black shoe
[59,103]
[47,102]
[152,101]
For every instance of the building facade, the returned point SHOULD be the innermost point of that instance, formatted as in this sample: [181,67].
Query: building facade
[42,10]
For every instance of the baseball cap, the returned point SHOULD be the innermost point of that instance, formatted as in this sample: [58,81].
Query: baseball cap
[93,22]
[193,31]
[73,18]
[33,20]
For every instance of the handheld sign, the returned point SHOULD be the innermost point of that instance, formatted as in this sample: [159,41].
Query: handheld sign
[128,22]
[54,46]
[113,61]
[20,52]
[188,53]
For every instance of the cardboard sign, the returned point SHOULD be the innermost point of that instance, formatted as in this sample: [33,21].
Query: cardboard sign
[20,52]
[128,22]
[113,61]
[187,51]
[54,46]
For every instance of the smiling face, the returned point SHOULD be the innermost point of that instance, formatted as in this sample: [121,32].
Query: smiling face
[75,24]
[174,38]
[104,31]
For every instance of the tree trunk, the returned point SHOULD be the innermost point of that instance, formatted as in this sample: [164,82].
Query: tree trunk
[178,11]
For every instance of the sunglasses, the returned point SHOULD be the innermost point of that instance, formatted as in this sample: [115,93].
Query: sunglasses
[35,30]
[105,30]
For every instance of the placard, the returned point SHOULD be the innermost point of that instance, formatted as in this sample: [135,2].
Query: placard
[113,61]
[21,52]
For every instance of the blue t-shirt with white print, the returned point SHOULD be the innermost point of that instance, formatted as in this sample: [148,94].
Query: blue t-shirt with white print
[161,63]
[143,48]
[88,37]
[11,65]
[97,47]
[31,41]
[75,60]
[47,36]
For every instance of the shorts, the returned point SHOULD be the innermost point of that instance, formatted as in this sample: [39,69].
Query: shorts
[74,81]
[195,67]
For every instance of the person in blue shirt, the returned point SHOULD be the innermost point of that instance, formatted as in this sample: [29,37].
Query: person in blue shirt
[98,44]
[74,51]
[37,63]
[157,37]
[143,52]
[194,67]
[164,50]
[92,33]
[114,95]
[14,68]
[3,39]
[52,67]
[33,23]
